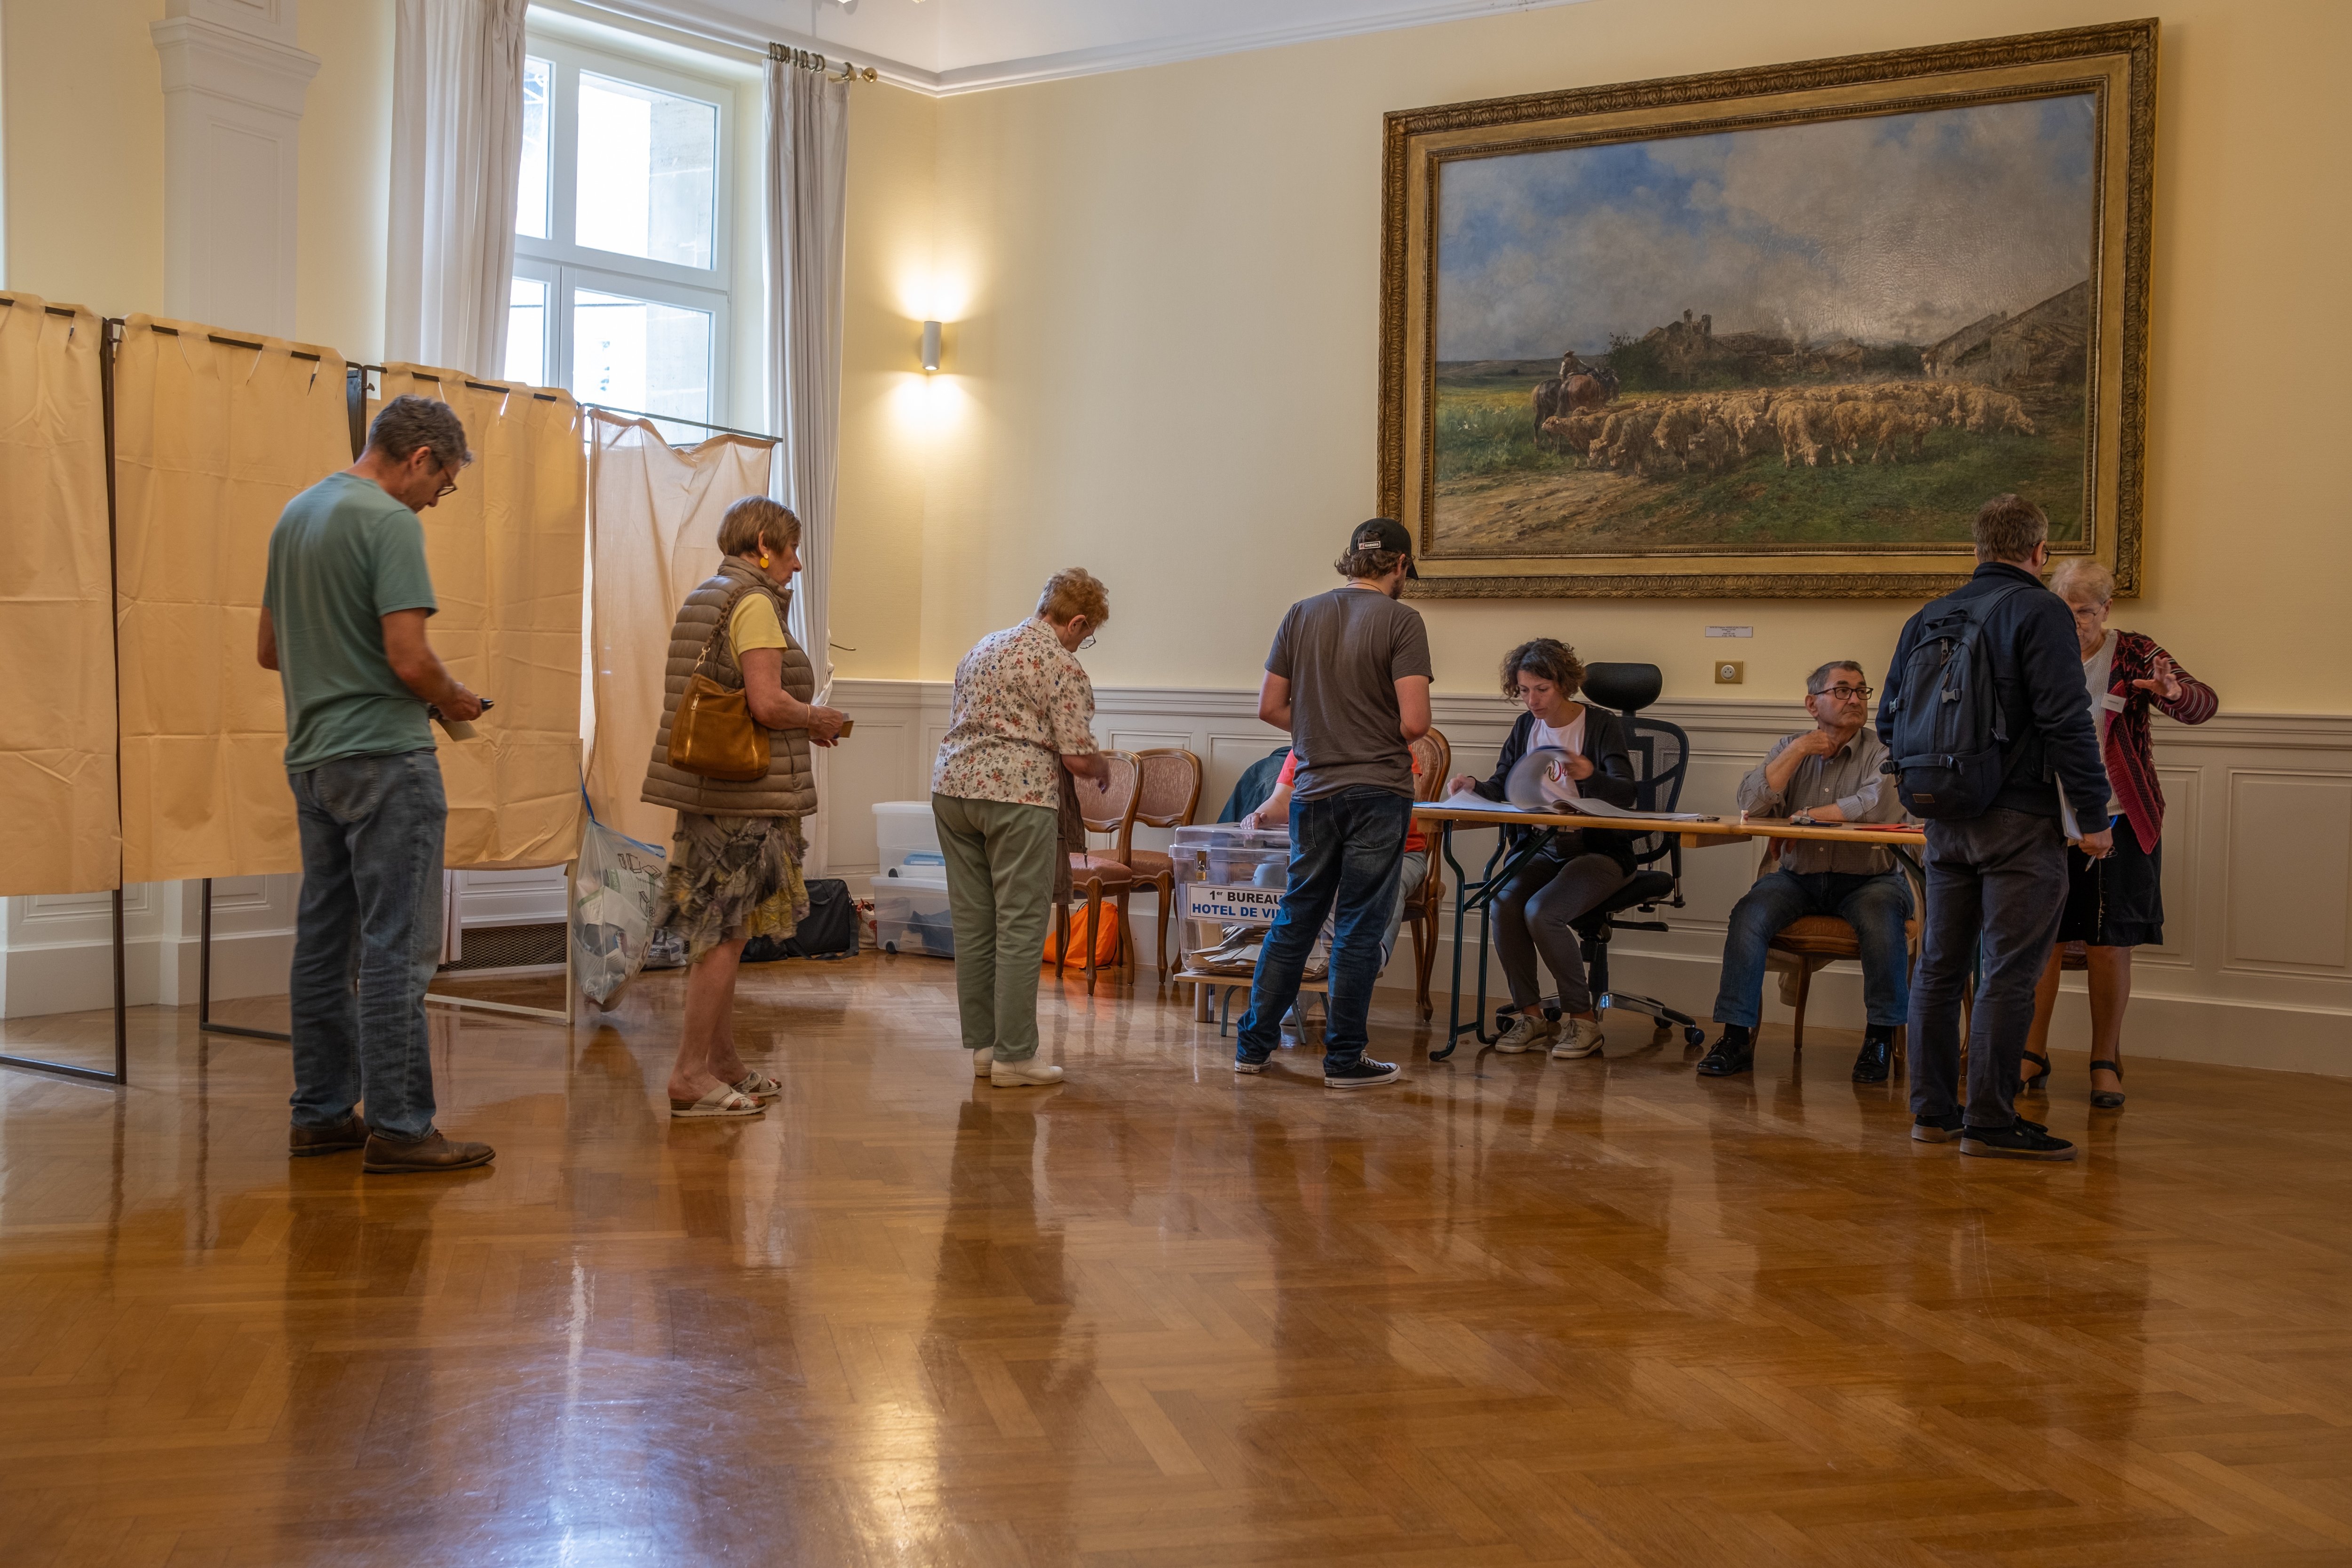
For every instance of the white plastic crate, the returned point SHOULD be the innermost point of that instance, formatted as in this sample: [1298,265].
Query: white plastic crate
[905,835]
[910,911]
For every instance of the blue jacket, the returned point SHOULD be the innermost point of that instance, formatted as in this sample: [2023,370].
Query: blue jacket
[2038,664]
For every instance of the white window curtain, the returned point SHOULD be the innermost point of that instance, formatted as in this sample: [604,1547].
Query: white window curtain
[456,158]
[808,165]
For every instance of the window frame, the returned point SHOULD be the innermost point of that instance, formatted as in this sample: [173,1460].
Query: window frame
[567,268]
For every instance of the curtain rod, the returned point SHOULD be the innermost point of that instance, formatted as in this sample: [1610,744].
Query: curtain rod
[472,384]
[228,343]
[809,60]
[681,419]
[45,309]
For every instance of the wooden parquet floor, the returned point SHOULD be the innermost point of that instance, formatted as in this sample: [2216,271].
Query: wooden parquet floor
[1513,1311]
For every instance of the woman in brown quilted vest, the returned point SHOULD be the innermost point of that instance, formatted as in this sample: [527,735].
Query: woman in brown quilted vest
[735,863]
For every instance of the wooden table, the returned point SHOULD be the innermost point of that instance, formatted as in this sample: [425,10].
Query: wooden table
[1513,850]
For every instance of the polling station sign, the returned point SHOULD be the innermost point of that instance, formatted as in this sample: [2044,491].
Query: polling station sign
[1209,901]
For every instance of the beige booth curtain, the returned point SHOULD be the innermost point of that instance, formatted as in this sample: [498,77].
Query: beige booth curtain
[506,556]
[654,512]
[212,439]
[59,832]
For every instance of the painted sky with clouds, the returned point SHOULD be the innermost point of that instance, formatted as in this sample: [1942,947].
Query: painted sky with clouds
[1893,228]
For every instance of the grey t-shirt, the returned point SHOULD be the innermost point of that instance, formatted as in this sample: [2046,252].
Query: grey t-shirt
[1343,652]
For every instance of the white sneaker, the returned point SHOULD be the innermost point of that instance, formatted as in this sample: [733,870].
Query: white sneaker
[1026,1074]
[981,1060]
[1578,1037]
[1527,1033]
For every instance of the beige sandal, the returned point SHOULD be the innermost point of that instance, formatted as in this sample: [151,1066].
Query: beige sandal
[759,1086]
[720,1102]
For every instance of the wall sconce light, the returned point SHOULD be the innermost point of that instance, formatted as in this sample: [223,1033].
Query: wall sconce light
[930,346]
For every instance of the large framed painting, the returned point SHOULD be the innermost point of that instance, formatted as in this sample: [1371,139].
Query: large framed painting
[1771,332]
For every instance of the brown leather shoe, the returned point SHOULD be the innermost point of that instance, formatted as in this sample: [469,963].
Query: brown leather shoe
[301,1142]
[399,1156]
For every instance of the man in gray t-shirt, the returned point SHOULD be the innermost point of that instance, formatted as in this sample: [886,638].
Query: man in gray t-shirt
[1348,678]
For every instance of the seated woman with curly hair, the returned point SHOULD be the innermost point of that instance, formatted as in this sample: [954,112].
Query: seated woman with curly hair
[1575,871]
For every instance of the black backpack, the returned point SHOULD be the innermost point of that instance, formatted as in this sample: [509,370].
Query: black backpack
[830,931]
[1948,731]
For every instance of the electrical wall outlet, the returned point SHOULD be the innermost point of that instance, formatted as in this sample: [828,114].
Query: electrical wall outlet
[1730,672]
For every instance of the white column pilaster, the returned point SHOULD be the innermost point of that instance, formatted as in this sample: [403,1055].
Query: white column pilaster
[233,83]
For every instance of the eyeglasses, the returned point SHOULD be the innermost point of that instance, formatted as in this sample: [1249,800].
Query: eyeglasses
[1086,642]
[1843,693]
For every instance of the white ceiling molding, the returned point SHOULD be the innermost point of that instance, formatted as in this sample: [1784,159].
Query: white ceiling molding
[1224,27]
[947,47]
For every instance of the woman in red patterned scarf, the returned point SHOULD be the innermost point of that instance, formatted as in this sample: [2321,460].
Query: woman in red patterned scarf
[2114,904]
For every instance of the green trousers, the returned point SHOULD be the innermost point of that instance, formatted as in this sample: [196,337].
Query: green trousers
[1000,899]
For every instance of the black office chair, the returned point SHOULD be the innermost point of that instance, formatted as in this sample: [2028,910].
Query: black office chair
[1661,757]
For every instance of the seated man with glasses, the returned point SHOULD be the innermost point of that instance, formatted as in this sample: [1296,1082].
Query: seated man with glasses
[1828,774]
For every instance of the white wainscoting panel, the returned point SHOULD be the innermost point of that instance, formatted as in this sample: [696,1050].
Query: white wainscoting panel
[2290,904]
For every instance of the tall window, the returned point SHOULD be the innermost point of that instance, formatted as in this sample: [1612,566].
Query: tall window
[621,276]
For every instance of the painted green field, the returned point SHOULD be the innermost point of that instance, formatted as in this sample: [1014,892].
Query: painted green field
[1500,492]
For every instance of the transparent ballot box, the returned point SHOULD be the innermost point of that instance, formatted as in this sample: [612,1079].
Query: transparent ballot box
[1229,884]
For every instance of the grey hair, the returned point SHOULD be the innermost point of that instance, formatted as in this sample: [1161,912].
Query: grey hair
[2081,572]
[407,423]
[1816,683]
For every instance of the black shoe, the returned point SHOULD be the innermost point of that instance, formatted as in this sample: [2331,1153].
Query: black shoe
[2018,1140]
[1948,1128]
[2039,1081]
[1937,1129]
[1876,1062]
[1362,1073]
[1734,1053]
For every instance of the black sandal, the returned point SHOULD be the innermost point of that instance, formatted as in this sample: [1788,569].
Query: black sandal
[2108,1099]
[2039,1081]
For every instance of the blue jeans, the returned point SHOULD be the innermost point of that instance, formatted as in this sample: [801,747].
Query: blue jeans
[1346,848]
[1875,906]
[371,914]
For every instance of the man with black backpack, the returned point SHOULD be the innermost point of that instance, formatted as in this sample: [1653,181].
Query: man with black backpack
[1990,740]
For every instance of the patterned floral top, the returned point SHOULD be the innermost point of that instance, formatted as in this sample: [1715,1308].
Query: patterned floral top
[1022,703]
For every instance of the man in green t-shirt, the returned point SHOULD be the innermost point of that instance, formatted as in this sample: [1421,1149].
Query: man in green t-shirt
[342,622]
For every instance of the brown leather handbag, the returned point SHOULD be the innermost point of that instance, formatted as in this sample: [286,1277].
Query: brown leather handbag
[713,734]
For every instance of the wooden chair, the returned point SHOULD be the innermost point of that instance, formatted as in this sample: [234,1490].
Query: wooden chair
[1811,941]
[1167,793]
[1105,808]
[1434,755]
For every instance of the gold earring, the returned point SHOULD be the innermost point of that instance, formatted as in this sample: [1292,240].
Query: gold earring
[764,560]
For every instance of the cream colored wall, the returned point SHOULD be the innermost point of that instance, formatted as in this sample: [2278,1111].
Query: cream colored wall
[346,177]
[886,461]
[85,162]
[85,151]
[1164,363]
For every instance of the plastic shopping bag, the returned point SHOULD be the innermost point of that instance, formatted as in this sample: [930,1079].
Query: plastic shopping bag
[615,885]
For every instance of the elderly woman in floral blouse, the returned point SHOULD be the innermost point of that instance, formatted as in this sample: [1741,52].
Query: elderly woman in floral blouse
[2114,904]
[1022,714]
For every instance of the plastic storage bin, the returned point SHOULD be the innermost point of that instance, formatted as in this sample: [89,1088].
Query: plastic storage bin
[910,910]
[905,835]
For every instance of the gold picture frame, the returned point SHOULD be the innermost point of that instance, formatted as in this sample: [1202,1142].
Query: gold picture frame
[1863,503]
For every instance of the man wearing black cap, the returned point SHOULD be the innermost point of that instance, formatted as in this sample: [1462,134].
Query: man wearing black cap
[1348,678]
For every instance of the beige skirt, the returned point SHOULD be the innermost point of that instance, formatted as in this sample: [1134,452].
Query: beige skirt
[731,879]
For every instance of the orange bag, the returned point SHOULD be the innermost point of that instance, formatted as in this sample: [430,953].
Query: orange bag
[1106,939]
